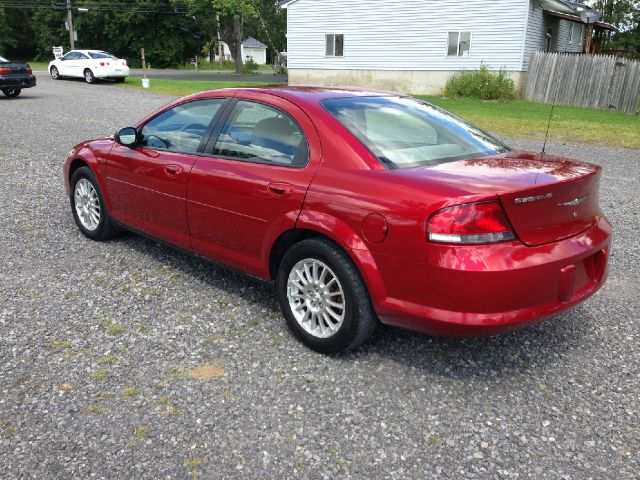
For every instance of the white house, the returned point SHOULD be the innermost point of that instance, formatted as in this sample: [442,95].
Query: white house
[416,45]
[251,49]
[254,50]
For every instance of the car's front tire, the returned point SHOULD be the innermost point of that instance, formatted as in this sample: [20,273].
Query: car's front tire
[12,92]
[88,207]
[55,74]
[89,77]
[323,297]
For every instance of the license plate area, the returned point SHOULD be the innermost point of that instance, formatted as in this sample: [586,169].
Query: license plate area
[580,277]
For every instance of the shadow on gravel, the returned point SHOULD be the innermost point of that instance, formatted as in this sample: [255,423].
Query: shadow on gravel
[23,96]
[506,355]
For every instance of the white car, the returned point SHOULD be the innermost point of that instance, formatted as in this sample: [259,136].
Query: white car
[90,65]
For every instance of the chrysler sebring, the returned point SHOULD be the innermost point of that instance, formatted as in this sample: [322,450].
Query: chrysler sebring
[359,206]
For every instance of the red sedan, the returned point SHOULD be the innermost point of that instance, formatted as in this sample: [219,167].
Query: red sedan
[359,206]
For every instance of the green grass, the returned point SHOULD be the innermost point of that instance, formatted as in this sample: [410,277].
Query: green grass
[35,65]
[204,65]
[184,87]
[524,119]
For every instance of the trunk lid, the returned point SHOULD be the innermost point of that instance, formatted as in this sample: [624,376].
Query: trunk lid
[553,211]
[14,68]
[546,198]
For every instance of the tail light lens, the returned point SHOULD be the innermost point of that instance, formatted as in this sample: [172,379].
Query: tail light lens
[5,71]
[102,64]
[470,223]
[124,62]
[29,71]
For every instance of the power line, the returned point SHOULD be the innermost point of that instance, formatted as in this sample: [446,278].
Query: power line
[167,8]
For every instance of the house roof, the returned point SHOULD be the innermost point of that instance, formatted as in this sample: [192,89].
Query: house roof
[285,3]
[569,10]
[253,43]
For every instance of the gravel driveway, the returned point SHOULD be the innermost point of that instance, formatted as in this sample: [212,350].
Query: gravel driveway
[129,360]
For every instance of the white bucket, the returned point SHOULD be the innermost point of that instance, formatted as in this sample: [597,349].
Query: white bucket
[145,83]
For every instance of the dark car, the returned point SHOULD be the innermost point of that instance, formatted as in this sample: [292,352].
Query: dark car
[14,77]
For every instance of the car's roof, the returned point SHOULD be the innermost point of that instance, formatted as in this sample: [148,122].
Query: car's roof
[305,93]
[88,51]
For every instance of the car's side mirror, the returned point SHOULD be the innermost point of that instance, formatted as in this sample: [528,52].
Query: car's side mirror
[127,136]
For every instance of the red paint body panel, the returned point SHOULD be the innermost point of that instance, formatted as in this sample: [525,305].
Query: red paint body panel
[146,195]
[234,207]
[226,210]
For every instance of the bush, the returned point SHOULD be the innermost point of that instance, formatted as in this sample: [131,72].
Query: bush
[250,66]
[482,83]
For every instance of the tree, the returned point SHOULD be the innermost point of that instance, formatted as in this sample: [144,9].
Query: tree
[269,25]
[6,38]
[231,17]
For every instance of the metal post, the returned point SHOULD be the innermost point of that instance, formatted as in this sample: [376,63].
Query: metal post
[70,23]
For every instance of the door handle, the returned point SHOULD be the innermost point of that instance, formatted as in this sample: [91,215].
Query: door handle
[280,189]
[172,170]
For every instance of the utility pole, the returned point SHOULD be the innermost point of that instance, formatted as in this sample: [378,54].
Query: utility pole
[72,41]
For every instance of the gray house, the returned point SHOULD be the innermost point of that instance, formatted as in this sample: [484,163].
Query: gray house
[416,45]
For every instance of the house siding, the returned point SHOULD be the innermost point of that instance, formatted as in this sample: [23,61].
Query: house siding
[560,36]
[537,26]
[535,37]
[405,35]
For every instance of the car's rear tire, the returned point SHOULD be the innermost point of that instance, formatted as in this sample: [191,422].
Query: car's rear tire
[119,79]
[323,297]
[88,207]
[55,74]
[89,77]
[12,92]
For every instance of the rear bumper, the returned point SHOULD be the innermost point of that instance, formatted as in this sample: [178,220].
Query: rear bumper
[111,73]
[17,81]
[474,291]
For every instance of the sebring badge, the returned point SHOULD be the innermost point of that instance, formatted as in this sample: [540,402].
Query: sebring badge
[573,203]
[533,199]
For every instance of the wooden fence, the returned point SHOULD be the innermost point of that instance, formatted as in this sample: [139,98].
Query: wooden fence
[594,81]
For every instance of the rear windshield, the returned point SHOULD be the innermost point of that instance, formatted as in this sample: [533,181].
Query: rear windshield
[100,55]
[3,60]
[405,132]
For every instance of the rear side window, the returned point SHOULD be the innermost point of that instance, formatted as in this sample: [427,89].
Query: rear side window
[101,55]
[404,132]
[181,128]
[259,133]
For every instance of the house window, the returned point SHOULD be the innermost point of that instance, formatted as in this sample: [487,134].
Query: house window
[334,45]
[571,33]
[459,44]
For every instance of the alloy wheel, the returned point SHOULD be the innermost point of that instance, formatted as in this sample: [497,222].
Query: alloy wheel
[316,298]
[87,204]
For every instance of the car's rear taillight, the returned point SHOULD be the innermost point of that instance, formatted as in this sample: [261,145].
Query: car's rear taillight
[471,223]
[29,70]
[102,64]
[5,71]
[124,62]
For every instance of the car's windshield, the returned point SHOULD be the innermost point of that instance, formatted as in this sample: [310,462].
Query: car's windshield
[3,60]
[404,132]
[101,55]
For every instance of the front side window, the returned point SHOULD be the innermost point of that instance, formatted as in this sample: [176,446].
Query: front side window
[259,133]
[71,56]
[181,128]
[459,44]
[404,132]
[334,45]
